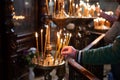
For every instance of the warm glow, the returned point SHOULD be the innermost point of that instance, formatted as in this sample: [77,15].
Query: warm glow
[73,4]
[46,26]
[70,34]
[18,17]
[76,6]
[109,12]
[87,0]
[36,34]
[41,30]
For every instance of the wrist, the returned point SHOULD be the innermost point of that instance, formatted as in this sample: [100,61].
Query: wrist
[78,56]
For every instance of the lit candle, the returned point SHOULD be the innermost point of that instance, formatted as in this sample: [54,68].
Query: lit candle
[98,8]
[92,10]
[61,56]
[73,5]
[70,7]
[76,7]
[47,6]
[48,34]
[69,39]
[58,5]
[58,51]
[51,7]
[87,1]
[36,35]
[58,39]
[107,23]
[42,42]
[46,38]
[95,23]
[54,6]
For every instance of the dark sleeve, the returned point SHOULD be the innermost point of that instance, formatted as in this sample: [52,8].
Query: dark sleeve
[78,56]
[112,33]
[110,18]
[103,55]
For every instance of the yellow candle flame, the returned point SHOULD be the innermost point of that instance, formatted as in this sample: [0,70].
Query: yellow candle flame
[87,0]
[36,34]
[76,6]
[41,30]
[73,4]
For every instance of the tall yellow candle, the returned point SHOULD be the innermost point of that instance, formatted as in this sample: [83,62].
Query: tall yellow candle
[58,5]
[54,6]
[36,36]
[58,39]
[42,42]
[70,7]
[76,7]
[47,7]
[48,34]
[58,51]
[69,39]
[73,5]
[46,38]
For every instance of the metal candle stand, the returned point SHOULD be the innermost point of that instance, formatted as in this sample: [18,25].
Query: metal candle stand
[47,64]
[48,68]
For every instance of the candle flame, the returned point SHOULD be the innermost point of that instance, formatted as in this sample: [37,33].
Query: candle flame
[36,34]
[76,5]
[41,30]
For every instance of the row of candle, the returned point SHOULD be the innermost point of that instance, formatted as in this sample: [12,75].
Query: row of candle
[37,42]
[75,9]
[61,42]
[47,39]
[101,22]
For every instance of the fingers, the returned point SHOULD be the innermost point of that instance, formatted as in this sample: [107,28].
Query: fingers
[68,51]
[65,50]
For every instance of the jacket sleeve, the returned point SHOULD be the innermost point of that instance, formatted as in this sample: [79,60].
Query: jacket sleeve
[103,55]
[112,33]
[110,18]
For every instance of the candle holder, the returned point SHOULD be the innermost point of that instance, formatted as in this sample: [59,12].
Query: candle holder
[47,64]
[47,69]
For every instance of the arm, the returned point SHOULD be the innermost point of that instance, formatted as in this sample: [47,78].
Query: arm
[103,55]
[112,33]
[110,18]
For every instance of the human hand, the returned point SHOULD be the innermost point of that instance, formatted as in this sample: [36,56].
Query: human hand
[68,51]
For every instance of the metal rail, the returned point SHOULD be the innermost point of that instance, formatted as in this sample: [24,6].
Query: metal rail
[84,71]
